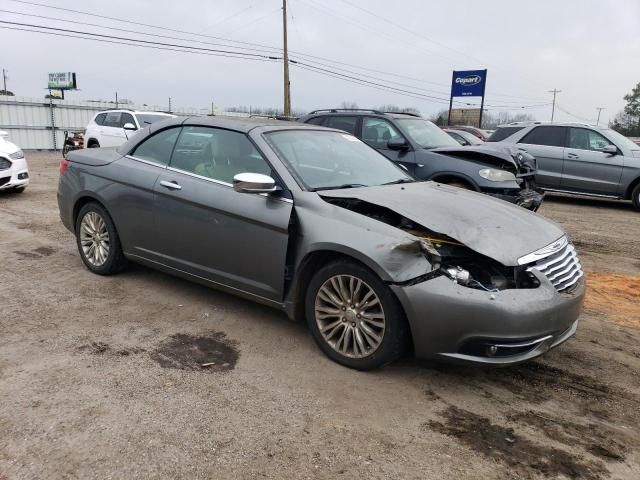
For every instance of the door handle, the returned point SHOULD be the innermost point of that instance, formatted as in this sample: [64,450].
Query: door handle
[572,155]
[170,185]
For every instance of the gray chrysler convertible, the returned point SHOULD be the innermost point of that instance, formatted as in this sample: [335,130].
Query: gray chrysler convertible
[315,222]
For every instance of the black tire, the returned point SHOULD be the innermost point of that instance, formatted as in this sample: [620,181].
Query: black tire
[115,260]
[635,197]
[93,144]
[396,336]
[18,189]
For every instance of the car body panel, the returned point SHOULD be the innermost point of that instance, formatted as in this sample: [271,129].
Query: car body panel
[574,170]
[257,245]
[444,209]
[14,172]
[450,164]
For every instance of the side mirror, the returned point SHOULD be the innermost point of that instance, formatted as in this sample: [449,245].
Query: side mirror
[129,126]
[253,183]
[398,143]
[610,149]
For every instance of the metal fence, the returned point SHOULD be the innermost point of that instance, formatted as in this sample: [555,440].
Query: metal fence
[39,124]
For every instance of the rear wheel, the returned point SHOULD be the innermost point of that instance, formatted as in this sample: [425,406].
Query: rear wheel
[93,144]
[98,241]
[635,197]
[354,317]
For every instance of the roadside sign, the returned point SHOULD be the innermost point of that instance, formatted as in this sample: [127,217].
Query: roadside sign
[62,81]
[468,83]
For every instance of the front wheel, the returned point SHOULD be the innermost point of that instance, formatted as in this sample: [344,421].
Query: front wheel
[354,317]
[98,241]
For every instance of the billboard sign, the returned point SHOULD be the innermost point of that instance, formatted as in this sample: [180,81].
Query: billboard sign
[468,83]
[62,81]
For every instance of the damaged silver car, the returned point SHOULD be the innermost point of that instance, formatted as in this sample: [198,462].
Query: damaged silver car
[315,222]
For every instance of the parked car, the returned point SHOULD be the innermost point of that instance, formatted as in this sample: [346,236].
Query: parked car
[373,260]
[14,171]
[635,140]
[476,132]
[462,137]
[578,158]
[428,153]
[112,128]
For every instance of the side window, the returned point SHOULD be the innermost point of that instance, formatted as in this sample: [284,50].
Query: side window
[216,153]
[100,118]
[503,132]
[347,124]
[457,138]
[158,148]
[546,135]
[126,118]
[584,139]
[316,121]
[112,120]
[377,132]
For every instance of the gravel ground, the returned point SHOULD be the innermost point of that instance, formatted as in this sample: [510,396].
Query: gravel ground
[102,378]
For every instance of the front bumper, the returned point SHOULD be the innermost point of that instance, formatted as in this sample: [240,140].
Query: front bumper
[526,198]
[460,324]
[16,176]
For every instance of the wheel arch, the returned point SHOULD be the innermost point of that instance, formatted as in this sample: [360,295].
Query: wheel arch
[631,188]
[81,202]
[445,177]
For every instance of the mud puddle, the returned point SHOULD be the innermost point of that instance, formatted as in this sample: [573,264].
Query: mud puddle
[207,353]
[504,445]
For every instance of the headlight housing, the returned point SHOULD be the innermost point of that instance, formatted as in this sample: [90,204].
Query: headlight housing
[16,155]
[495,175]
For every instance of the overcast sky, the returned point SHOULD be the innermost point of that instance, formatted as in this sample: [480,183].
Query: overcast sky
[588,49]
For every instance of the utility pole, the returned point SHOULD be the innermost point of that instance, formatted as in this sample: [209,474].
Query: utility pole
[553,108]
[169,104]
[116,100]
[599,109]
[4,80]
[285,58]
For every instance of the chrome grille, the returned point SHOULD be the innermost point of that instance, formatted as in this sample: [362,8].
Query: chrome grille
[562,267]
[5,164]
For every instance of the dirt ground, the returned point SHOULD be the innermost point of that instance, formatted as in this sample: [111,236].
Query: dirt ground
[102,377]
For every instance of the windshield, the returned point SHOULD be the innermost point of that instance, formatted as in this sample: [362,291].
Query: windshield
[145,119]
[322,160]
[425,133]
[620,140]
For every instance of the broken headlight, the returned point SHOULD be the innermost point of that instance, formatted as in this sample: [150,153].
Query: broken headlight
[495,175]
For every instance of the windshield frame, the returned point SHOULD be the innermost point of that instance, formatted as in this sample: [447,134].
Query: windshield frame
[266,137]
[400,123]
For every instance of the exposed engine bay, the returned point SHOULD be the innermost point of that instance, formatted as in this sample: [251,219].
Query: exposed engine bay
[446,255]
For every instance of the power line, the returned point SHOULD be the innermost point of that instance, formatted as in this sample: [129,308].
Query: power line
[101,40]
[262,47]
[150,42]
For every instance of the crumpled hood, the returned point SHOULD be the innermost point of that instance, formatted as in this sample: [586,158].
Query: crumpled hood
[489,226]
[494,154]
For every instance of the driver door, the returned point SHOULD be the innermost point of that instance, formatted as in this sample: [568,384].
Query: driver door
[376,132]
[211,231]
[586,167]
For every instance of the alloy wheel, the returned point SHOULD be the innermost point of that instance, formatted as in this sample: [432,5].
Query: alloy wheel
[94,239]
[349,316]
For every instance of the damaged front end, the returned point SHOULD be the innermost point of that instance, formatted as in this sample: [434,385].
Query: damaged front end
[448,257]
[516,161]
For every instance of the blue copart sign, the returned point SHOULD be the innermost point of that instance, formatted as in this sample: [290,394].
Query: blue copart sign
[468,83]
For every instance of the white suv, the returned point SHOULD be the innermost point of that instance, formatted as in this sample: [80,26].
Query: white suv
[112,128]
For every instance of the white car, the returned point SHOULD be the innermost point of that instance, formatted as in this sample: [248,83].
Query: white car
[14,172]
[112,128]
